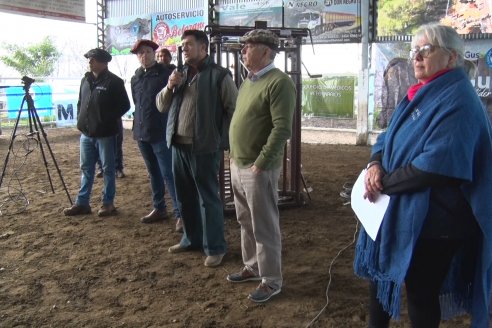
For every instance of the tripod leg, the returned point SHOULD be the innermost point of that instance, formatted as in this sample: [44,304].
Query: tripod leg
[12,138]
[34,130]
[305,186]
[37,122]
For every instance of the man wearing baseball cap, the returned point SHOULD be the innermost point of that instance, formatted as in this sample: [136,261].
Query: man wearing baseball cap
[102,102]
[149,130]
[260,127]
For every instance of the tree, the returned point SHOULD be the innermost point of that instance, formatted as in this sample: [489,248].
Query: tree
[404,17]
[400,17]
[34,60]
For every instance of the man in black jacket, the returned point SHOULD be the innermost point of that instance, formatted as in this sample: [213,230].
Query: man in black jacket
[149,129]
[102,102]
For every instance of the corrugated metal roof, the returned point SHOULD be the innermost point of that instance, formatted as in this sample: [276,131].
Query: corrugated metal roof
[121,8]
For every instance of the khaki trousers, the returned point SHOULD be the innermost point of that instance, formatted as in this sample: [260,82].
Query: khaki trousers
[255,199]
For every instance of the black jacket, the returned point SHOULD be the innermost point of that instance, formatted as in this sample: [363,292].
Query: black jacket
[101,104]
[149,124]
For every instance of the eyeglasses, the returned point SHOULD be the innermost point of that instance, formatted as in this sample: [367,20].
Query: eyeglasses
[419,53]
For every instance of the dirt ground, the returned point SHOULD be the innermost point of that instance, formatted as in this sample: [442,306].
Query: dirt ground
[116,272]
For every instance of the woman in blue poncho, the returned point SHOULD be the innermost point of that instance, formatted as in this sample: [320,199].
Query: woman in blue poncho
[435,162]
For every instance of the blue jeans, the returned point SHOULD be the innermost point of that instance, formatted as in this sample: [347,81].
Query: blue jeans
[197,190]
[118,160]
[90,150]
[158,160]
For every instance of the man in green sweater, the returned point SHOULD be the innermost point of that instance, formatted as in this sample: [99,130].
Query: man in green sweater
[260,127]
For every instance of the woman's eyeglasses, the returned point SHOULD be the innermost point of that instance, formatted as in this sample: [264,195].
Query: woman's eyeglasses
[419,53]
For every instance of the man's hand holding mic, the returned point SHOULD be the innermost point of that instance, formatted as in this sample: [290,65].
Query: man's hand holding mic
[175,79]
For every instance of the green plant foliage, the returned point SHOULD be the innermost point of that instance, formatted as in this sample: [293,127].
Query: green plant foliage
[400,17]
[36,60]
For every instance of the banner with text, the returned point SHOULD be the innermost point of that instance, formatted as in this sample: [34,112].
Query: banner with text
[246,12]
[329,96]
[168,27]
[330,21]
[394,75]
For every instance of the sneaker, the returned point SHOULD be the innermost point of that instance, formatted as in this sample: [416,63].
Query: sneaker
[263,293]
[244,275]
[177,249]
[179,224]
[99,174]
[213,261]
[155,216]
[106,210]
[120,174]
[77,210]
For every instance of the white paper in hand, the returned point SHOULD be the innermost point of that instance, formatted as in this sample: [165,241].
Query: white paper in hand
[369,214]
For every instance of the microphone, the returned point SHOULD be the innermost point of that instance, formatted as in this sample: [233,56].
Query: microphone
[180,59]
[179,68]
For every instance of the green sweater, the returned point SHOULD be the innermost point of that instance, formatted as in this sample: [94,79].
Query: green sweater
[262,122]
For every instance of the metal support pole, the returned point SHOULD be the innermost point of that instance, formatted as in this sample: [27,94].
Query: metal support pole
[101,14]
[363,85]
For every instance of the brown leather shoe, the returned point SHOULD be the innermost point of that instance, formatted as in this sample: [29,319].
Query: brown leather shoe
[77,210]
[155,216]
[106,210]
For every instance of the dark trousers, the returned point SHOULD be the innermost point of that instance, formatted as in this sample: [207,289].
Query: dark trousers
[197,193]
[429,265]
[158,160]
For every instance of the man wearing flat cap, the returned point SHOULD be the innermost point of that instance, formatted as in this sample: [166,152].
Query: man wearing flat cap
[260,127]
[102,102]
[149,130]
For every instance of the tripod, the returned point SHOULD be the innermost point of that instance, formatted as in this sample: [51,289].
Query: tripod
[35,127]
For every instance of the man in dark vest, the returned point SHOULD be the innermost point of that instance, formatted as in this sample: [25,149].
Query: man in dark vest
[200,101]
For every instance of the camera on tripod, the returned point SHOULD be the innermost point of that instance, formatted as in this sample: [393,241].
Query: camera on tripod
[27,81]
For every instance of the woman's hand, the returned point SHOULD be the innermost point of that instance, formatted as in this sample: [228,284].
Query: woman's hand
[373,182]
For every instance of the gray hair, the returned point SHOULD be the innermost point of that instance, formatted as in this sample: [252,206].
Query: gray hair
[443,36]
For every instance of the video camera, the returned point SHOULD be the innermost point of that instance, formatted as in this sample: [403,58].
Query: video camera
[27,81]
